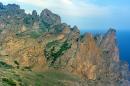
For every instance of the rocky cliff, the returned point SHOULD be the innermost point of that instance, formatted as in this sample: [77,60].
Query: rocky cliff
[42,42]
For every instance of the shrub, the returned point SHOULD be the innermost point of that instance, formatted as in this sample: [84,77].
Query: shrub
[55,49]
[9,81]
[4,65]
[34,34]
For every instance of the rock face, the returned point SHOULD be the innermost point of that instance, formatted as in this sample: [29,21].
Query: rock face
[109,44]
[87,58]
[90,57]
[26,52]
[40,42]
[50,18]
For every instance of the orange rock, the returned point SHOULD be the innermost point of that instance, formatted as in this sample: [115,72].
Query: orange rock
[87,58]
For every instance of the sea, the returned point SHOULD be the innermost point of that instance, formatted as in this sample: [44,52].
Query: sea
[123,38]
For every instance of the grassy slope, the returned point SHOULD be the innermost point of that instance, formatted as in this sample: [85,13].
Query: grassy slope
[17,77]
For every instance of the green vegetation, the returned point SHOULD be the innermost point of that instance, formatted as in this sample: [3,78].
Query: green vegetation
[20,77]
[32,34]
[17,77]
[28,20]
[16,62]
[4,65]
[44,26]
[55,49]
[10,82]
[35,34]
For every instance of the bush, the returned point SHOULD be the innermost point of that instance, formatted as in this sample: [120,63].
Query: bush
[34,34]
[9,81]
[55,49]
[4,65]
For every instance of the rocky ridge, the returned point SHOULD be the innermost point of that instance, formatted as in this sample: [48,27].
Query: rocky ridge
[42,42]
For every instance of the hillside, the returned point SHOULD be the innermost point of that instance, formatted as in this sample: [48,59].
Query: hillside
[40,50]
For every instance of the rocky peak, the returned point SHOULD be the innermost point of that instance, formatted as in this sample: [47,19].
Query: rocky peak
[75,29]
[98,38]
[85,37]
[9,11]
[46,12]
[50,18]
[9,6]
[74,34]
[13,6]
[1,5]
[34,13]
[109,44]
[111,30]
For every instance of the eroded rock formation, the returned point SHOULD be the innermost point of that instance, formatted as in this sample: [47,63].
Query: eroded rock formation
[42,42]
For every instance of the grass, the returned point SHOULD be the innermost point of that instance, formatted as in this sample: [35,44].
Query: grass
[17,77]
[49,78]
[32,34]
[9,81]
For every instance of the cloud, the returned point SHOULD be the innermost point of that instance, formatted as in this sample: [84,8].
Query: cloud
[32,2]
[83,9]
[71,8]
[84,13]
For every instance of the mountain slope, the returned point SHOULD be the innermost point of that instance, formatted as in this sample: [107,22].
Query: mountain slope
[36,49]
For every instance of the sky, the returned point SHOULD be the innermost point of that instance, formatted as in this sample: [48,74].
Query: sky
[86,14]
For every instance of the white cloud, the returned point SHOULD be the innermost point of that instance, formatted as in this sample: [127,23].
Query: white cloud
[81,9]
[75,8]
[32,2]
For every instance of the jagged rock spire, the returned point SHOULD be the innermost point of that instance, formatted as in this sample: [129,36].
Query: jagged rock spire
[109,44]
